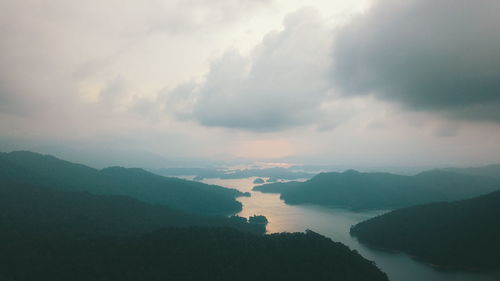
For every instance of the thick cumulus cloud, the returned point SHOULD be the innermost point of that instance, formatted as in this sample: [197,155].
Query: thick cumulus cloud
[437,56]
[280,84]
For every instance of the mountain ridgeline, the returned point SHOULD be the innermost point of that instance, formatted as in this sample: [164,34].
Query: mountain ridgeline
[462,234]
[492,171]
[46,171]
[356,190]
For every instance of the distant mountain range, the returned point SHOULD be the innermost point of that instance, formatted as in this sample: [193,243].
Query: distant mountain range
[356,190]
[462,234]
[484,171]
[48,171]
[209,173]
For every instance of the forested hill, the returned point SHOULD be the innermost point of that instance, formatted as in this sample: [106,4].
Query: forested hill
[356,190]
[463,234]
[31,210]
[52,235]
[47,171]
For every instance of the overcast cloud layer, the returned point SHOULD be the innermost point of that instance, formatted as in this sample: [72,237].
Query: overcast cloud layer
[439,56]
[435,57]
[171,81]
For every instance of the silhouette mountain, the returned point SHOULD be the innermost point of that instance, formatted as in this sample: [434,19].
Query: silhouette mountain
[462,234]
[48,171]
[355,190]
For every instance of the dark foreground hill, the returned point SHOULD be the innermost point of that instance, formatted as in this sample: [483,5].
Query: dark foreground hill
[55,235]
[356,190]
[186,254]
[462,234]
[47,171]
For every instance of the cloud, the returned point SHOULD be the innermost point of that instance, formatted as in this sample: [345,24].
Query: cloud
[180,100]
[51,50]
[436,56]
[280,84]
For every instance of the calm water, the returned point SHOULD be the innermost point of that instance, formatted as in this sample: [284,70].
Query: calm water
[335,223]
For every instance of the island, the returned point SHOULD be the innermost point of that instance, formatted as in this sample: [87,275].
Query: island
[258,181]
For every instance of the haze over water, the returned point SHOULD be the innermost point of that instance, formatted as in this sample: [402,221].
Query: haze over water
[335,223]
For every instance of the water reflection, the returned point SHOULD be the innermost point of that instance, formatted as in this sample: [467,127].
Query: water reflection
[335,223]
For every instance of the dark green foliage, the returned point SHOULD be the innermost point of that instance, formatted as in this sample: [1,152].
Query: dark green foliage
[185,254]
[55,235]
[47,171]
[463,234]
[258,219]
[356,190]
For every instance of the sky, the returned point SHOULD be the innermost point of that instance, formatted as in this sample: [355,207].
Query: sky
[165,83]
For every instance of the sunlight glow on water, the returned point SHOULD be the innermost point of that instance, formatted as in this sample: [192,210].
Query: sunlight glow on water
[335,223]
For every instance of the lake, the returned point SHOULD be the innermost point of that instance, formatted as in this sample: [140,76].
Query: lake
[335,223]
